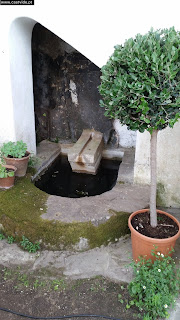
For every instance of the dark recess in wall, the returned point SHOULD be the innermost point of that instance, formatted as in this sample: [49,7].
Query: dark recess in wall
[60,72]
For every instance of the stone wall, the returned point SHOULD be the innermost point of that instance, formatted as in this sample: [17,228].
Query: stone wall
[65,84]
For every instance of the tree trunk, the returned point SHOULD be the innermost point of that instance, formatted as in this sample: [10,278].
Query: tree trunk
[153,164]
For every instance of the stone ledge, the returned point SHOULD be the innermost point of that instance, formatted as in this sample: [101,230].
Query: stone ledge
[47,152]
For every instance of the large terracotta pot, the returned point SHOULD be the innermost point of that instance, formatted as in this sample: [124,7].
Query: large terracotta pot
[6,183]
[20,163]
[142,245]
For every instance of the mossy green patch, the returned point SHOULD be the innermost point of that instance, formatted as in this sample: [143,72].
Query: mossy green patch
[176,201]
[20,214]
[160,195]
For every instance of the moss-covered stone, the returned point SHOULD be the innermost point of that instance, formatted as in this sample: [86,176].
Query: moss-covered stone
[20,214]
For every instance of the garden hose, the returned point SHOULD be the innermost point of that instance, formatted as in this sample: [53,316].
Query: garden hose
[59,317]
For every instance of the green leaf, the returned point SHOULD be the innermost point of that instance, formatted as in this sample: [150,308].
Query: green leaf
[14,149]
[154,57]
[134,289]
[11,173]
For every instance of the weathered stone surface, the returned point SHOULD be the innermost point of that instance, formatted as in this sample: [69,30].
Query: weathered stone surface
[66,97]
[86,264]
[47,152]
[122,197]
[10,254]
[50,259]
[86,154]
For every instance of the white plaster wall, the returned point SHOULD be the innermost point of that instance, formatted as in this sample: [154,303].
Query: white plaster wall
[168,164]
[21,80]
[126,138]
[7,130]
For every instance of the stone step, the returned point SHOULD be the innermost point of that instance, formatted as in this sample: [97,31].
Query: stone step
[86,154]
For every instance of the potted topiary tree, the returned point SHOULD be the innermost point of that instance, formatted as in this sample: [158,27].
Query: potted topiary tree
[16,154]
[140,86]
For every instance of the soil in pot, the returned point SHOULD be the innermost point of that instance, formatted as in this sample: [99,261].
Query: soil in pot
[166,227]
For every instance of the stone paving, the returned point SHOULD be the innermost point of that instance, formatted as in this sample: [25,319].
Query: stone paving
[111,261]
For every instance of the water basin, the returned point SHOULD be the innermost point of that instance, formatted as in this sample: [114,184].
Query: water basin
[61,181]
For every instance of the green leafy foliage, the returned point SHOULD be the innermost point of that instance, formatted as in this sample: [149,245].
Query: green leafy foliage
[155,286]
[23,279]
[140,84]
[58,284]
[33,161]
[10,239]
[14,149]
[2,236]
[5,173]
[28,245]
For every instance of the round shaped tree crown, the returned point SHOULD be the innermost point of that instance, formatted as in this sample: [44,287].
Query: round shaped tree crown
[140,84]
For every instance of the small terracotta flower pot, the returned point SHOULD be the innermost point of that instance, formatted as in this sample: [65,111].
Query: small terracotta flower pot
[6,183]
[20,163]
[142,245]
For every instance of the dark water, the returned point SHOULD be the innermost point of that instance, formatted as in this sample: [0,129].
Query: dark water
[61,181]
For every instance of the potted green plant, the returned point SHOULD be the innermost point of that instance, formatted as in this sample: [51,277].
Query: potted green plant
[140,86]
[16,154]
[7,176]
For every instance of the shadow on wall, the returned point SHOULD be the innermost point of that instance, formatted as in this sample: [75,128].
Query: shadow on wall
[66,97]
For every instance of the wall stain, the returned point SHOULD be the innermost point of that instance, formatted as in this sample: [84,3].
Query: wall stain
[65,89]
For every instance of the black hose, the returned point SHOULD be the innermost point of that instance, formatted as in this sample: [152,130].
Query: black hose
[60,317]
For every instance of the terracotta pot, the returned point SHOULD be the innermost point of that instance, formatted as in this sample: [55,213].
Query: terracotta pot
[6,183]
[142,245]
[20,163]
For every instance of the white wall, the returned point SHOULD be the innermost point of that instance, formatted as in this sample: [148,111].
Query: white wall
[126,138]
[7,130]
[168,164]
[21,79]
